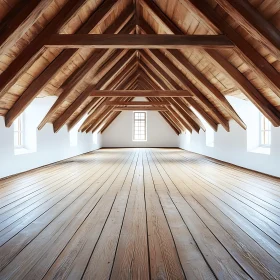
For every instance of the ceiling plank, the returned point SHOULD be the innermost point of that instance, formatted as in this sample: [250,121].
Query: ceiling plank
[251,56]
[257,26]
[124,41]
[36,47]
[18,21]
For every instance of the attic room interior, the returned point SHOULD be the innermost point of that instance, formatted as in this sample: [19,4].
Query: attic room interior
[139,139]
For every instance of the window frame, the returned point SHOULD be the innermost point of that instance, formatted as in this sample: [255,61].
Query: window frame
[20,133]
[263,130]
[134,126]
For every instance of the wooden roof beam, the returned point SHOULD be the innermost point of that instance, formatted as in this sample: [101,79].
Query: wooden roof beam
[257,26]
[36,47]
[125,41]
[183,61]
[165,115]
[140,108]
[176,74]
[91,105]
[137,103]
[241,81]
[251,56]
[140,93]
[18,21]
[70,84]
[248,89]
[174,85]
[190,121]
[84,95]
[92,115]
[185,123]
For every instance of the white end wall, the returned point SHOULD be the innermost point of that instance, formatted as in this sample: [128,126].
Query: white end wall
[120,132]
[47,147]
[236,146]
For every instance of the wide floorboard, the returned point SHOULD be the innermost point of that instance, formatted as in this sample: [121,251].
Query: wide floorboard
[140,214]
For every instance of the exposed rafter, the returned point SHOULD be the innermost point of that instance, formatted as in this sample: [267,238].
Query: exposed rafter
[124,41]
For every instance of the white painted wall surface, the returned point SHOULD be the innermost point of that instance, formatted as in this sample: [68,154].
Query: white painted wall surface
[120,132]
[236,146]
[48,147]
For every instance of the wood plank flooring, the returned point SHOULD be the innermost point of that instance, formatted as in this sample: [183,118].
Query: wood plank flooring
[140,214]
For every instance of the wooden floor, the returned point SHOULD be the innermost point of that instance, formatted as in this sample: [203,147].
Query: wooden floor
[140,214]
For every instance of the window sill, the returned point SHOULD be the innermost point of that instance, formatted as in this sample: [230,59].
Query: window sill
[261,150]
[22,151]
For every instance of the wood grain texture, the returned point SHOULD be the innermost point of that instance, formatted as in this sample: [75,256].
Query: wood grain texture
[140,214]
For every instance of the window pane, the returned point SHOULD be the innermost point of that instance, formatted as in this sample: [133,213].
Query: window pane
[139,126]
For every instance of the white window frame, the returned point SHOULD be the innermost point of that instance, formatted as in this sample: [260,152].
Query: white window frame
[263,130]
[19,144]
[134,138]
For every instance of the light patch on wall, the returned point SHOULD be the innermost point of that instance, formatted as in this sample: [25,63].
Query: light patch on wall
[210,133]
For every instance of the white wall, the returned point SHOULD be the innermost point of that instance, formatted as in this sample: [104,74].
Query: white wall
[120,132]
[235,147]
[47,147]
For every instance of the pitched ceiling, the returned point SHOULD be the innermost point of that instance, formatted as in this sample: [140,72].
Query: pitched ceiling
[244,61]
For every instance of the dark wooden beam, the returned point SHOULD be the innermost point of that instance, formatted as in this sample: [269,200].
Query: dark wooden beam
[176,74]
[75,78]
[250,55]
[18,21]
[256,25]
[140,108]
[94,102]
[189,120]
[248,89]
[102,83]
[241,81]
[124,41]
[183,61]
[173,85]
[137,103]
[140,93]
[36,47]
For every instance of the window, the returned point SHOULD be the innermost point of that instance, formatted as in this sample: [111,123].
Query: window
[18,132]
[265,131]
[140,126]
